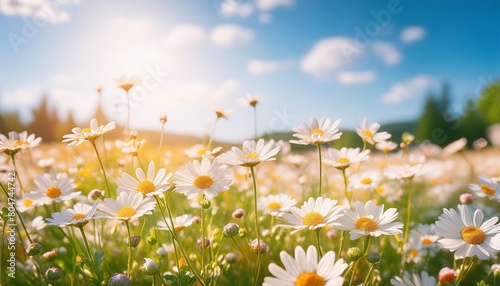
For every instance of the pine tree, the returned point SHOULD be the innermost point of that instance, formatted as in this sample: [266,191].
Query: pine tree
[44,121]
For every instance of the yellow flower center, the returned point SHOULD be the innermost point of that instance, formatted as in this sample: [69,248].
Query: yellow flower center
[28,202]
[126,211]
[366,181]
[203,182]
[310,279]
[274,206]
[488,190]
[126,86]
[145,187]
[426,241]
[366,224]
[202,152]
[473,235]
[312,219]
[53,192]
[367,133]
[78,216]
[414,253]
[86,130]
[317,131]
[19,143]
[252,155]
[343,160]
[179,228]
[380,190]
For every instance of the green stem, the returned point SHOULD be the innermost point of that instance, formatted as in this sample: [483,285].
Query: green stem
[320,169]
[161,144]
[354,268]
[345,187]
[257,272]
[176,240]
[17,173]
[202,209]
[407,225]
[255,122]
[242,252]
[368,276]
[102,166]
[18,215]
[87,245]
[129,264]
[210,139]
[318,245]
[341,243]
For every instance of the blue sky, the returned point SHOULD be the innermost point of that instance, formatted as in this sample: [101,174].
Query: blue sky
[303,58]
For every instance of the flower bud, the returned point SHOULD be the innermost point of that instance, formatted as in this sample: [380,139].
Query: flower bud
[231,257]
[33,249]
[96,194]
[205,204]
[53,274]
[230,230]
[466,198]
[206,242]
[446,275]
[149,267]
[182,262]
[5,212]
[239,213]
[354,253]
[255,246]
[119,279]
[242,232]
[50,255]
[135,240]
[151,240]
[373,258]
[163,118]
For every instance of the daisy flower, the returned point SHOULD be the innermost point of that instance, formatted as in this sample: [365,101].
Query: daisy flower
[343,158]
[251,100]
[132,147]
[206,178]
[180,223]
[148,184]
[386,146]
[313,214]
[17,142]
[304,269]
[53,188]
[26,203]
[221,112]
[369,219]
[366,180]
[127,206]
[423,241]
[414,280]
[126,83]
[88,133]
[78,216]
[251,155]
[467,234]
[199,151]
[317,132]
[487,187]
[275,204]
[405,171]
[368,132]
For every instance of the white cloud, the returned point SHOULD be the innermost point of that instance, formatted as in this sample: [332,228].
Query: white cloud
[259,67]
[328,55]
[387,52]
[234,8]
[229,35]
[267,5]
[352,78]
[406,90]
[41,11]
[185,35]
[412,34]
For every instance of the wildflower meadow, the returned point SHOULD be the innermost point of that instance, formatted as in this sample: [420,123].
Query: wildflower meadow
[103,209]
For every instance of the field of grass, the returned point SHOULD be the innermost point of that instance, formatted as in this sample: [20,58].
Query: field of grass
[418,181]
